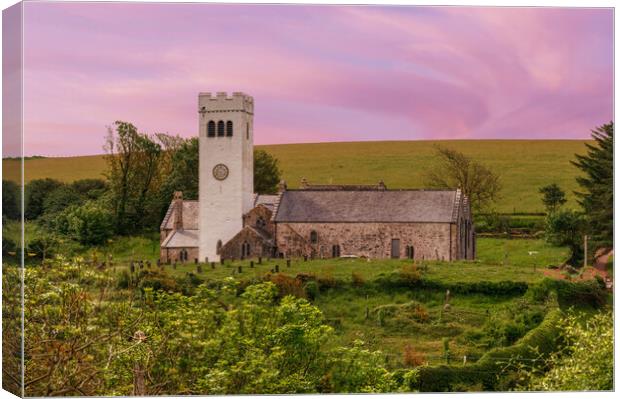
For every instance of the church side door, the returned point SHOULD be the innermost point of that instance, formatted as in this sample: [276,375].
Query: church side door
[395,248]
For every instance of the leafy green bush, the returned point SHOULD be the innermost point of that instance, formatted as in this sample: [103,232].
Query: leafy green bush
[90,223]
[585,363]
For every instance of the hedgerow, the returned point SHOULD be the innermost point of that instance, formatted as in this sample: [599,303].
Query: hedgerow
[493,369]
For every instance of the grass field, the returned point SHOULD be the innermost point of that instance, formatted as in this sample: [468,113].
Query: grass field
[524,165]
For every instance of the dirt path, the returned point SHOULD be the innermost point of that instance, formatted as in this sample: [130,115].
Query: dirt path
[598,269]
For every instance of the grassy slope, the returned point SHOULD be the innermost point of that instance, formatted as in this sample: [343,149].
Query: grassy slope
[524,165]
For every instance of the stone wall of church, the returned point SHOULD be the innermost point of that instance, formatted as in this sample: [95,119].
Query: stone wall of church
[374,240]
[256,245]
[170,255]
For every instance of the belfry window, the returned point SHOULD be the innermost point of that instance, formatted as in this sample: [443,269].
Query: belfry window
[229,128]
[211,129]
[220,129]
[314,237]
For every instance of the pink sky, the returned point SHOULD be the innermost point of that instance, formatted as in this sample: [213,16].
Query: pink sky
[317,73]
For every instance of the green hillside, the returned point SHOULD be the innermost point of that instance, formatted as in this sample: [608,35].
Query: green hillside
[524,165]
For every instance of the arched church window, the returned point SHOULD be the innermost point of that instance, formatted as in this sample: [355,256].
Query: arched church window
[211,129]
[314,237]
[229,128]
[247,131]
[220,129]
[218,248]
[245,249]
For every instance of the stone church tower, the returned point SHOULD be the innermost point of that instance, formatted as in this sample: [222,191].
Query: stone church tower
[226,168]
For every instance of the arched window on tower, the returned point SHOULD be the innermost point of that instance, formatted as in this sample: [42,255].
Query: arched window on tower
[211,129]
[247,131]
[218,248]
[314,237]
[229,128]
[220,129]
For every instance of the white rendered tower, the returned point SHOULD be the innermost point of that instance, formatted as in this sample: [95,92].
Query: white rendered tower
[226,176]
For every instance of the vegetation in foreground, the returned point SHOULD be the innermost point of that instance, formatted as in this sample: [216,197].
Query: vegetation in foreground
[95,329]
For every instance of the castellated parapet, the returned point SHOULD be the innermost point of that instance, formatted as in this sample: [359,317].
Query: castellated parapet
[222,102]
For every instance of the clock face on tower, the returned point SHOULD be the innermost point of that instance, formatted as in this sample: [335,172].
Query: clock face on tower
[220,171]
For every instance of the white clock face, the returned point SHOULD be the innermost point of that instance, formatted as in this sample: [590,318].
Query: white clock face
[220,171]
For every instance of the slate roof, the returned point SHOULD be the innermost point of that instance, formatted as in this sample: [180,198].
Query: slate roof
[190,216]
[266,200]
[367,206]
[181,239]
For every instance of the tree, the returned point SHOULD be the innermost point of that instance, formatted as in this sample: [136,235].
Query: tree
[36,192]
[183,175]
[597,196]
[267,173]
[566,228]
[90,188]
[133,171]
[455,169]
[60,199]
[553,197]
[10,200]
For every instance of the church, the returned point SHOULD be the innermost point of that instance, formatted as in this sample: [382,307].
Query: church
[230,221]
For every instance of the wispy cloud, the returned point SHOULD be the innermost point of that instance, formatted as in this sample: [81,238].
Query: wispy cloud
[317,73]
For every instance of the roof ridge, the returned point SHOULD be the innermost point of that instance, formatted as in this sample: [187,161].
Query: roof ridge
[375,190]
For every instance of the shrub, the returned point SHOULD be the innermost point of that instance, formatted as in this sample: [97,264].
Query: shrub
[36,191]
[357,279]
[88,224]
[326,280]
[287,285]
[124,280]
[410,274]
[412,358]
[156,279]
[312,290]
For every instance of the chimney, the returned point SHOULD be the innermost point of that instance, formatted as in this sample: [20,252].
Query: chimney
[381,186]
[304,183]
[178,210]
